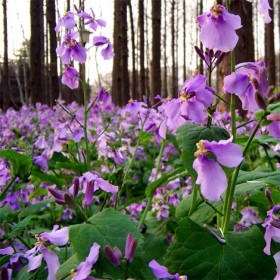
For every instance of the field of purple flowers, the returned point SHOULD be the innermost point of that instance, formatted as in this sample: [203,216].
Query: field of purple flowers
[175,190]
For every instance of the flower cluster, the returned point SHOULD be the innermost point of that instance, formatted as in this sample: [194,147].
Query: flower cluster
[71,50]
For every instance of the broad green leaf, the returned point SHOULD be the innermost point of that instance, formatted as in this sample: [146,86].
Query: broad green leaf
[249,188]
[19,227]
[189,134]
[65,268]
[21,164]
[108,227]
[274,108]
[198,254]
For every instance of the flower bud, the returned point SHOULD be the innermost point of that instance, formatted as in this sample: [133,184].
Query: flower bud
[260,100]
[273,98]
[273,117]
[76,185]
[113,255]
[56,193]
[270,91]
[69,201]
[199,52]
[130,247]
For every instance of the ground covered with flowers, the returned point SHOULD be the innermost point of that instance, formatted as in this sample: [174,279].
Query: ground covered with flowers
[176,189]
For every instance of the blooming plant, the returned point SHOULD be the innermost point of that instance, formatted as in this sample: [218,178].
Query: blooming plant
[175,191]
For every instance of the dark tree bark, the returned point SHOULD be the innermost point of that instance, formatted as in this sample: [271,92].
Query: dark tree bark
[54,88]
[37,50]
[141,22]
[270,59]
[5,98]
[120,87]
[165,88]
[184,41]
[156,49]
[244,50]
[174,91]
[134,93]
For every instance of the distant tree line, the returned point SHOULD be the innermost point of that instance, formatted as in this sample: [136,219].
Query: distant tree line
[151,43]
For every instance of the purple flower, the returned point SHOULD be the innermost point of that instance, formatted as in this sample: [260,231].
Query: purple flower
[70,48]
[106,52]
[70,77]
[210,176]
[274,127]
[161,271]
[263,7]
[67,21]
[130,247]
[7,251]
[57,236]
[91,21]
[272,228]
[217,29]
[249,78]
[36,260]
[277,261]
[41,161]
[113,255]
[84,268]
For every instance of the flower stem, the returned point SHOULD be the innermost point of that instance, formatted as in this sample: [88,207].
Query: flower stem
[3,193]
[194,199]
[149,202]
[85,125]
[231,189]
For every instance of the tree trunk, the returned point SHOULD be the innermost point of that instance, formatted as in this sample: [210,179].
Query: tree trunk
[184,41]
[270,48]
[134,93]
[165,88]
[156,50]
[141,22]
[5,98]
[37,50]
[244,50]
[54,88]
[173,66]
[120,87]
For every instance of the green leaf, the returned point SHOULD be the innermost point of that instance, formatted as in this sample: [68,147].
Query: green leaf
[198,254]
[108,227]
[189,134]
[64,270]
[274,108]
[34,208]
[19,227]
[21,164]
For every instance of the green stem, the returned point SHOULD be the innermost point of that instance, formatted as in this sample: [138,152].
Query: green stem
[85,125]
[3,193]
[149,202]
[231,189]
[232,100]
[268,157]
[194,199]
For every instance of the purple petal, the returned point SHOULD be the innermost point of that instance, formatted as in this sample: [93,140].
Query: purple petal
[159,270]
[210,177]
[130,247]
[227,153]
[105,186]
[101,22]
[34,262]
[99,40]
[88,198]
[264,8]
[57,237]
[52,263]
[79,53]
[84,268]
[70,77]
[107,52]
[196,111]
[7,251]
[274,129]
[113,255]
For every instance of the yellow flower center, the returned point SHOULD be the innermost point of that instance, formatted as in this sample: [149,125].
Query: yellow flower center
[216,11]
[130,100]
[73,272]
[183,96]
[201,150]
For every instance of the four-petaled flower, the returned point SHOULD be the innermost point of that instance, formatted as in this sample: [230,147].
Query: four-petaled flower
[217,29]
[91,21]
[70,77]
[106,52]
[210,175]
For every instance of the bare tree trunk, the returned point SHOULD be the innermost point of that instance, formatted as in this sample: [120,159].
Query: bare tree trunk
[165,89]
[156,49]
[184,41]
[244,50]
[270,48]
[37,50]
[141,22]
[120,87]
[5,98]
[54,88]
[201,61]
[147,70]
[133,58]
[173,79]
